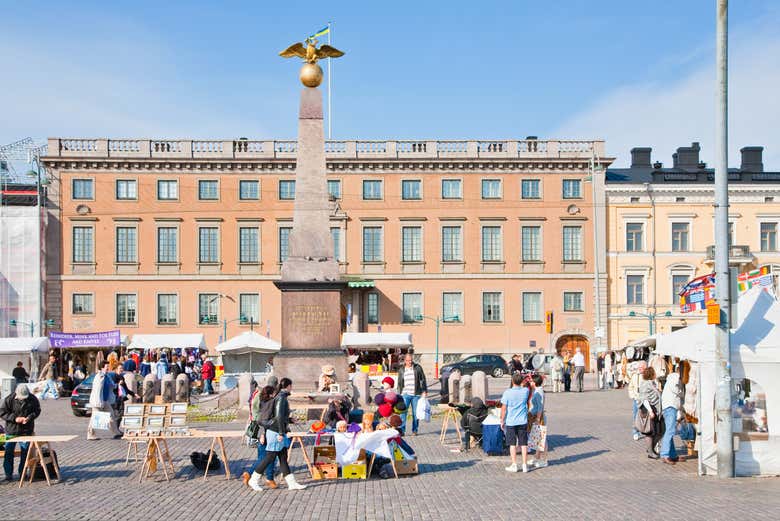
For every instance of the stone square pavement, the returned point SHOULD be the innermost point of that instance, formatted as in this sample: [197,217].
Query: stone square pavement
[596,472]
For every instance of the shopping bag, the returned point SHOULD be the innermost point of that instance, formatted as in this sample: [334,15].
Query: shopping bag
[272,443]
[643,422]
[100,420]
[423,411]
[537,437]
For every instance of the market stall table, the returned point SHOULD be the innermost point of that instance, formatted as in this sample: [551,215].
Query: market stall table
[35,454]
[298,437]
[450,414]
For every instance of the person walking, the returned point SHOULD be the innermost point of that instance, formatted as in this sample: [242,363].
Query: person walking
[20,374]
[262,409]
[207,373]
[650,399]
[514,421]
[578,360]
[19,411]
[566,371]
[671,404]
[600,370]
[276,441]
[556,370]
[537,416]
[633,392]
[146,366]
[412,386]
[102,399]
[49,374]
[609,370]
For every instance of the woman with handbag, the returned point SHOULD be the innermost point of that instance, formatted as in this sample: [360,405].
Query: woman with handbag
[537,421]
[276,440]
[650,399]
[262,411]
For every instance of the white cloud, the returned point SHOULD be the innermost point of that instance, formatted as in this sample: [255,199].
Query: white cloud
[668,114]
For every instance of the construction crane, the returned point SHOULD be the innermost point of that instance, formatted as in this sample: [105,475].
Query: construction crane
[27,150]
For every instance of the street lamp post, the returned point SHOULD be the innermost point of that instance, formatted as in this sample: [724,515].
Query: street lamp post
[650,317]
[437,320]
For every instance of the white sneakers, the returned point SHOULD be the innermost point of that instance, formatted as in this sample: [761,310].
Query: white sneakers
[525,468]
[256,479]
[511,468]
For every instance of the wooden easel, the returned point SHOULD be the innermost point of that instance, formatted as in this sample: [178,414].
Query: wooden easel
[371,465]
[298,437]
[30,463]
[156,451]
[451,413]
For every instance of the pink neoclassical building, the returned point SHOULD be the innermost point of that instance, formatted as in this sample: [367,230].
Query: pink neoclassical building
[182,236]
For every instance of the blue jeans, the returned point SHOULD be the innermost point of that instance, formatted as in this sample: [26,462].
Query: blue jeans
[51,388]
[633,417]
[411,403]
[8,460]
[208,388]
[667,442]
[269,470]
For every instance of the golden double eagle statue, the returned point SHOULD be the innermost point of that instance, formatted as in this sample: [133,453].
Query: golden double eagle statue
[311,73]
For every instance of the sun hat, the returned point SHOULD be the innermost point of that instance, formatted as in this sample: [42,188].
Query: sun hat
[328,370]
[317,426]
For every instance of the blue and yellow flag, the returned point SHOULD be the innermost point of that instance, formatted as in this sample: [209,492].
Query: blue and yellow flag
[324,30]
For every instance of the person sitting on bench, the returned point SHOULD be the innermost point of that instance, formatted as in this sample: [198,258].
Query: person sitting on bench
[471,421]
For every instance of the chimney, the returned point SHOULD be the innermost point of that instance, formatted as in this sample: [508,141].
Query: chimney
[640,157]
[752,159]
[687,158]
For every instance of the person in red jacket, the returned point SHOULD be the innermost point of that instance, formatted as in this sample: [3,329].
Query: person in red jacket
[207,373]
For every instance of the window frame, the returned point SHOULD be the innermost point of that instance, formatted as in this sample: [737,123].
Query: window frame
[176,248]
[416,255]
[540,304]
[500,188]
[90,181]
[539,257]
[635,246]
[368,307]
[116,309]
[581,253]
[243,321]
[280,258]
[258,253]
[579,188]
[460,188]
[125,180]
[775,226]
[90,258]
[208,182]
[641,286]
[340,193]
[413,320]
[688,228]
[500,243]
[134,259]
[500,307]
[90,298]
[246,182]
[175,296]
[287,183]
[581,303]
[538,183]
[445,315]
[372,182]
[218,247]
[418,182]
[167,183]
[213,299]
[459,255]
[381,253]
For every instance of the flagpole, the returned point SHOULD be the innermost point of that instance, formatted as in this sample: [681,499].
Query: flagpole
[330,108]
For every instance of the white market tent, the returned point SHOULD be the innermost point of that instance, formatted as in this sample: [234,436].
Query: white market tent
[171,341]
[248,352]
[30,350]
[375,340]
[755,355]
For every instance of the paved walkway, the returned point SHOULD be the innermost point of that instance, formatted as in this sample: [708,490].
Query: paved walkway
[596,472]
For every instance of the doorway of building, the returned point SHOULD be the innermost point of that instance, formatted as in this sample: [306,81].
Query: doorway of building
[570,343]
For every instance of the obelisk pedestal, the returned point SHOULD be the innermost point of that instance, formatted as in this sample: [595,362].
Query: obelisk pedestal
[310,285]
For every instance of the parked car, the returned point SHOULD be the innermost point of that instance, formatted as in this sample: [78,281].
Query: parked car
[80,397]
[493,365]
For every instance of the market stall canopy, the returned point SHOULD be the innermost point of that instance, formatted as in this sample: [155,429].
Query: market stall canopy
[173,341]
[249,342]
[18,345]
[695,343]
[375,340]
[646,342]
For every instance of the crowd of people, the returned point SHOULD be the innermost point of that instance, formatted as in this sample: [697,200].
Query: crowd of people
[565,369]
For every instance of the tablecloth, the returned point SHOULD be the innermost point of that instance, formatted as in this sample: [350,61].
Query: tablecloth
[348,445]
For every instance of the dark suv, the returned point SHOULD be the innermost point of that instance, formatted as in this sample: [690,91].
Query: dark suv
[493,365]
[80,397]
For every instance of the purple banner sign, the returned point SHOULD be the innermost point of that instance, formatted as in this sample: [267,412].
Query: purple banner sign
[102,339]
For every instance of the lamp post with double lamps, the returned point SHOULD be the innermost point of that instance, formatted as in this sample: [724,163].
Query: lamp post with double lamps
[438,320]
[650,317]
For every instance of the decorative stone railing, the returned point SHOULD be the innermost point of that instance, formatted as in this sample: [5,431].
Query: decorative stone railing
[248,149]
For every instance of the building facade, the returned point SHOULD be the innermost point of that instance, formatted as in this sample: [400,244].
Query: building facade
[660,224]
[188,236]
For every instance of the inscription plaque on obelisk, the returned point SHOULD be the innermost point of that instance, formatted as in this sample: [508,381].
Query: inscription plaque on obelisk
[310,284]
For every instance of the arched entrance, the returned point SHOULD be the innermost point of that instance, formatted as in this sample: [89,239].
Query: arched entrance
[570,343]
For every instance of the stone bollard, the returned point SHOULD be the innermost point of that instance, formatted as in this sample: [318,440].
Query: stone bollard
[244,389]
[465,389]
[479,385]
[183,388]
[130,382]
[360,386]
[149,385]
[168,388]
[454,387]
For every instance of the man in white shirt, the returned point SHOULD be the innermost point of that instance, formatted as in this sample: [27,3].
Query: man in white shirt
[578,360]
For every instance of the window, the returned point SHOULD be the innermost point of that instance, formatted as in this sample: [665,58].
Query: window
[83,304]
[372,308]
[491,244]
[372,244]
[249,245]
[249,308]
[412,307]
[634,236]
[83,244]
[286,190]
[451,189]
[491,189]
[530,189]
[679,199]
[126,309]
[678,283]
[126,244]
[679,236]
[451,307]
[334,188]
[208,244]
[83,189]
[284,243]
[126,189]
[208,190]
[451,244]
[532,307]
[248,190]
[167,190]
[572,244]
[335,235]
[531,243]
[167,304]
[167,239]
[372,189]
[208,306]
[491,307]
[572,301]
[635,199]
[411,244]
[411,189]
[768,236]
[635,288]
[572,189]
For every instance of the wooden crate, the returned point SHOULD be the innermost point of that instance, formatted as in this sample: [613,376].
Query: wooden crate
[355,470]
[406,467]
[327,470]
[325,454]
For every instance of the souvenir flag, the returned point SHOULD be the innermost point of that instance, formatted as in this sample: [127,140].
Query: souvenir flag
[324,30]
[698,293]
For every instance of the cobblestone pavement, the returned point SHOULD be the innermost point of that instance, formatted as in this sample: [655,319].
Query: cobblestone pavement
[596,472]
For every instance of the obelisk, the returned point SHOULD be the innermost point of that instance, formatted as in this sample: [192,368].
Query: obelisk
[310,283]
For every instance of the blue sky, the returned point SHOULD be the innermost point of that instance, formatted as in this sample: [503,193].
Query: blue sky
[634,73]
